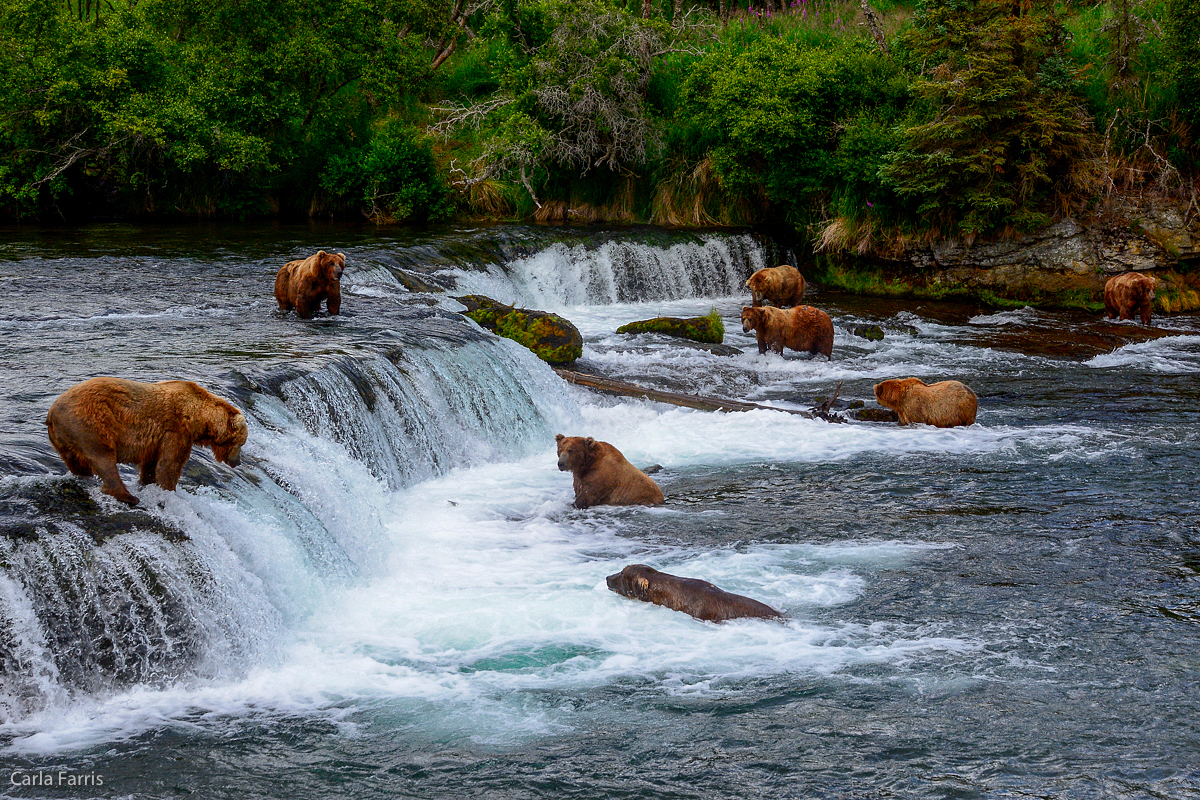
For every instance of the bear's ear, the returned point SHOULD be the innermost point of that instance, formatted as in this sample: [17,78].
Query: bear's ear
[590,442]
[559,437]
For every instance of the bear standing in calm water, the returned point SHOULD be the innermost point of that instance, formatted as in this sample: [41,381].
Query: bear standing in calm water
[102,422]
[302,285]
[803,328]
[1127,294]
[782,285]
[603,477]
[944,405]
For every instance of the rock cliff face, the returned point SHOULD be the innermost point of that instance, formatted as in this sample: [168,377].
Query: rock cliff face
[1070,258]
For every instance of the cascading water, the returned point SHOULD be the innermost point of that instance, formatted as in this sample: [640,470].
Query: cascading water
[393,595]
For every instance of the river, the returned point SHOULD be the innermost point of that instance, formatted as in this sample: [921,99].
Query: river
[394,597]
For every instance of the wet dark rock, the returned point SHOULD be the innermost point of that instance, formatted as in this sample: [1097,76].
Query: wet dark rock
[47,507]
[874,414]
[551,338]
[872,333]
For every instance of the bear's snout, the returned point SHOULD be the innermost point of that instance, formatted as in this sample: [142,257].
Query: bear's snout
[564,462]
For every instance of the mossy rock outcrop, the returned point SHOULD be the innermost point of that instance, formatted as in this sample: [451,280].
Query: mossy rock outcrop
[708,329]
[551,338]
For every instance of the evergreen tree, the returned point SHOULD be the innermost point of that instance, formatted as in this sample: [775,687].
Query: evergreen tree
[1005,126]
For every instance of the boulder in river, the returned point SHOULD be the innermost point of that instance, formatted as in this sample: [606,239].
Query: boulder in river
[551,338]
[708,329]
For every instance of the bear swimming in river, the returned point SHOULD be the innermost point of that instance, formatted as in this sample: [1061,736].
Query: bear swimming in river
[692,596]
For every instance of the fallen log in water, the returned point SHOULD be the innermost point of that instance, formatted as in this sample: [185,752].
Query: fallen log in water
[626,389]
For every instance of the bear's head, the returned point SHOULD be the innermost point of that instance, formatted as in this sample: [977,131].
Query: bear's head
[890,392]
[575,453]
[752,318]
[633,581]
[331,264]
[227,443]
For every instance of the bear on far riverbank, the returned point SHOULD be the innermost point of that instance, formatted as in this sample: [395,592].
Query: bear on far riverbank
[1127,294]
[782,285]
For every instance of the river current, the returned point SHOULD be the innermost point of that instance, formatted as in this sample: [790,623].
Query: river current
[394,597]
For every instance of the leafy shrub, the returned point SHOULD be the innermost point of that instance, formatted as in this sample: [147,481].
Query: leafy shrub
[393,178]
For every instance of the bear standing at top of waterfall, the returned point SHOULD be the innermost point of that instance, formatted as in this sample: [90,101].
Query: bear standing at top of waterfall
[102,422]
[803,328]
[1127,294]
[944,405]
[602,475]
[303,284]
[782,285]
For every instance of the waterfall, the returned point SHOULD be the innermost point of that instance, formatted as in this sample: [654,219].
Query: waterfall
[199,583]
[343,413]
[636,267]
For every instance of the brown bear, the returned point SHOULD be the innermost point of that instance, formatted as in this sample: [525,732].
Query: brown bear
[945,404]
[102,422]
[802,328]
[782,285]
[690,595]
[1127,294]
[302,285]
[602,475]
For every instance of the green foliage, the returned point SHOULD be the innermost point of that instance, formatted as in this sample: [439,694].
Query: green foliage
[1183,45]
[223,107]
[795,124]
[1005,127]
[392,178]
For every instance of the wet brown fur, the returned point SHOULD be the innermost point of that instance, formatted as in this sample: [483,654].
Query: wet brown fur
[102,422]
[1127,294]
[603,476]
[803,328]
[302,285]
[945,404]
[692,596]
[782,285]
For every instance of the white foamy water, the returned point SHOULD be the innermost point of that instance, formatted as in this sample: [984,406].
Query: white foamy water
[1171,355]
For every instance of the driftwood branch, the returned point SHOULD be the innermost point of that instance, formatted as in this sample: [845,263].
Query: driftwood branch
[625,389]
[874,24]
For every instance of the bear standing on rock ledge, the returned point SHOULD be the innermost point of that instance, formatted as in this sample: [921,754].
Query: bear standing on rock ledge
[302,285]
[603,477]
[1127,294]
[102,422]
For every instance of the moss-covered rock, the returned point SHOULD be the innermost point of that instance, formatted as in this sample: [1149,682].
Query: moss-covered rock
[551,338]
[872,333]
[708,329]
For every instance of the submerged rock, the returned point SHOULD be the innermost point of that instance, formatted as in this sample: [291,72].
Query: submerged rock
[874,415]
[551,338]
[872,333]
[708,329]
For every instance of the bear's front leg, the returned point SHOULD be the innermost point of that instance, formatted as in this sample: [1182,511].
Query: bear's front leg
[334,303]
[762,341]
[173,453]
